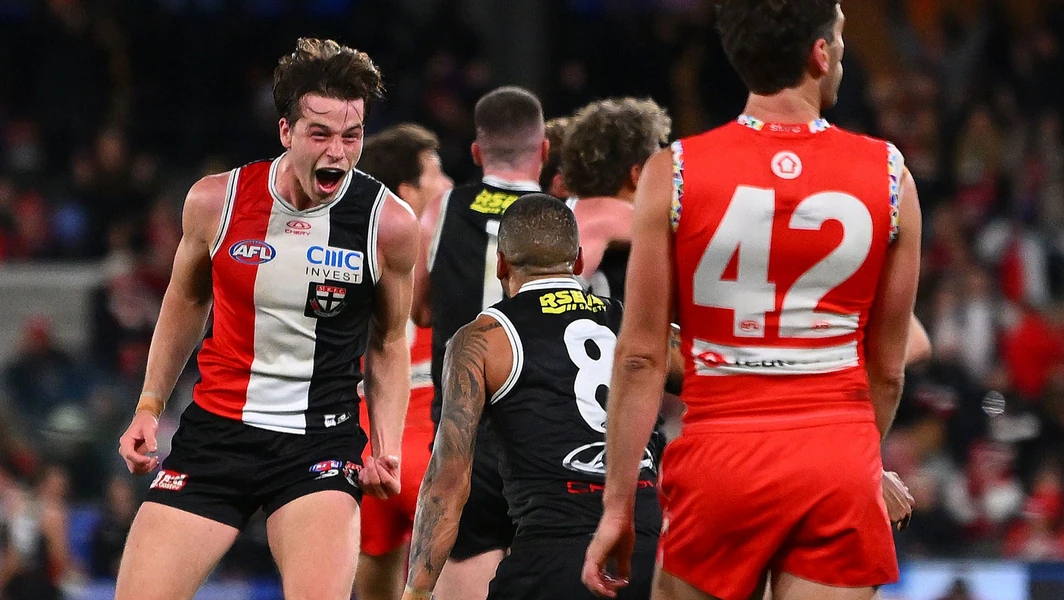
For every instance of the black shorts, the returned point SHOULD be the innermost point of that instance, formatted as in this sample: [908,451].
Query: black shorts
[224,470]
[485,524]
[549,569]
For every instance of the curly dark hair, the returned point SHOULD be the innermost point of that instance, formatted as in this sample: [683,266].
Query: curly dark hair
[555,132]
[606,139]
[394,155]
[323,67]
[768,41]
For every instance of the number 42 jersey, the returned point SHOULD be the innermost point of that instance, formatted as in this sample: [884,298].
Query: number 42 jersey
[781,232]
[550,416]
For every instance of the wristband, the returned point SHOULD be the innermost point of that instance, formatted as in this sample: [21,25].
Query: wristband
[151,402]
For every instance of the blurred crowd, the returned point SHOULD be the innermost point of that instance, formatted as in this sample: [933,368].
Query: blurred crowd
[108,115]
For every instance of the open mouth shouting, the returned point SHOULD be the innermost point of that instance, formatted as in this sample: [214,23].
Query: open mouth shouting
[328,179]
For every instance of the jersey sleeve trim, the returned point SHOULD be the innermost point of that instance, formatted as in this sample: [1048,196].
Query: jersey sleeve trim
[515,347]
[895,170]
[677,184]
[227,211]
[435,245]
[374,226]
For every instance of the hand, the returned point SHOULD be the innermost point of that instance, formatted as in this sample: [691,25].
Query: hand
[137,445]
[898,499]
[379,477]
[614,540]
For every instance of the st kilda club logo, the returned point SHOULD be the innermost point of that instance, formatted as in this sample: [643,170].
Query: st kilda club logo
[325,300]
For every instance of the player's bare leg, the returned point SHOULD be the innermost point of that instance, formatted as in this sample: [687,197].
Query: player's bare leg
[169,553]
[791,587]
[468,579]
[381,577]
[670,587]
[314,540]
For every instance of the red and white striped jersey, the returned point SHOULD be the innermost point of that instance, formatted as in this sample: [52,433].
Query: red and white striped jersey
[293,296]
[781,232]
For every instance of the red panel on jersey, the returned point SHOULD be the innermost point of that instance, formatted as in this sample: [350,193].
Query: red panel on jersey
[226,356]
[785,230]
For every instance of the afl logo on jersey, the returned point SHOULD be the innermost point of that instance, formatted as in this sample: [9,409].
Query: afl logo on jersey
[787,165]
[252,252]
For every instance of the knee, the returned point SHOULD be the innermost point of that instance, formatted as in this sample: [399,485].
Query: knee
[328,587]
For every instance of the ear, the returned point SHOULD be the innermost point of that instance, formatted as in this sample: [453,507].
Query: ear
[578,266]
[544,150]
[633,176]
[502,269]
[820,60]
[408,193]
[285,130]
[477,158]
[557,187]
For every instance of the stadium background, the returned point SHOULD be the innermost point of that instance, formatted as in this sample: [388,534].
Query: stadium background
[109,110]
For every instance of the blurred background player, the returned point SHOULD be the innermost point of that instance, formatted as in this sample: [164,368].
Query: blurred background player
[606,145]
[308,266]
[795,249]
[404,158]
[510,147]
[535,366]
[550,177]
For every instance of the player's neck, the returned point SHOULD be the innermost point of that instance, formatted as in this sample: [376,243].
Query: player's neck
[797,105]
[517,281]
[506,173]
[625,195]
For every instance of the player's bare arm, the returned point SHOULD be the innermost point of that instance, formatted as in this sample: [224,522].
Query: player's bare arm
[387,384]
[890,318]
[918,346]
[472,370]
[639,368]
[421,311]
[182,318]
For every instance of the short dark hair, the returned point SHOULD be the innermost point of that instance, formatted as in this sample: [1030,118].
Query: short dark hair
[538,233]
[509,123]
[323,67]
[555,134]
[606,139]
[393,156]
[768,41]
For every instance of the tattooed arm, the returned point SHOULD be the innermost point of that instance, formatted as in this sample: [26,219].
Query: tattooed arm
[473,360]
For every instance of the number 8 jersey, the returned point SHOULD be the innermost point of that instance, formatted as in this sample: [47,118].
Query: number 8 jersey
[780,236]
[550,416]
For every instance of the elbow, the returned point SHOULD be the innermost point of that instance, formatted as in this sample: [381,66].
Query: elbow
[638,361]
[422,316]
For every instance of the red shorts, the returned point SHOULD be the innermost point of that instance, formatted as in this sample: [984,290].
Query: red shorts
[803,501]
[386,524]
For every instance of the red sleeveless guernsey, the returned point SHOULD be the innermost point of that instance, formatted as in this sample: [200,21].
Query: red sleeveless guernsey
[780,236]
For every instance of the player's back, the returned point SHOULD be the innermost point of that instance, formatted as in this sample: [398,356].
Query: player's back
[781,233]
[550,417]
[463,258]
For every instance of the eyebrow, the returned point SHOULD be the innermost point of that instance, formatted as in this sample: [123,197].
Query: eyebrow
[327,129]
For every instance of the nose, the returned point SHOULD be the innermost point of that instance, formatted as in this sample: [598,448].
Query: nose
[336,148]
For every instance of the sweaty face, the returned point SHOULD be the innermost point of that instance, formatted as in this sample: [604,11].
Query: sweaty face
[830,84]
[324,143]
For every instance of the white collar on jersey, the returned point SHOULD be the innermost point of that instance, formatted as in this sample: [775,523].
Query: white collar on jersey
[517,186]
[551,283]
[756,124]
